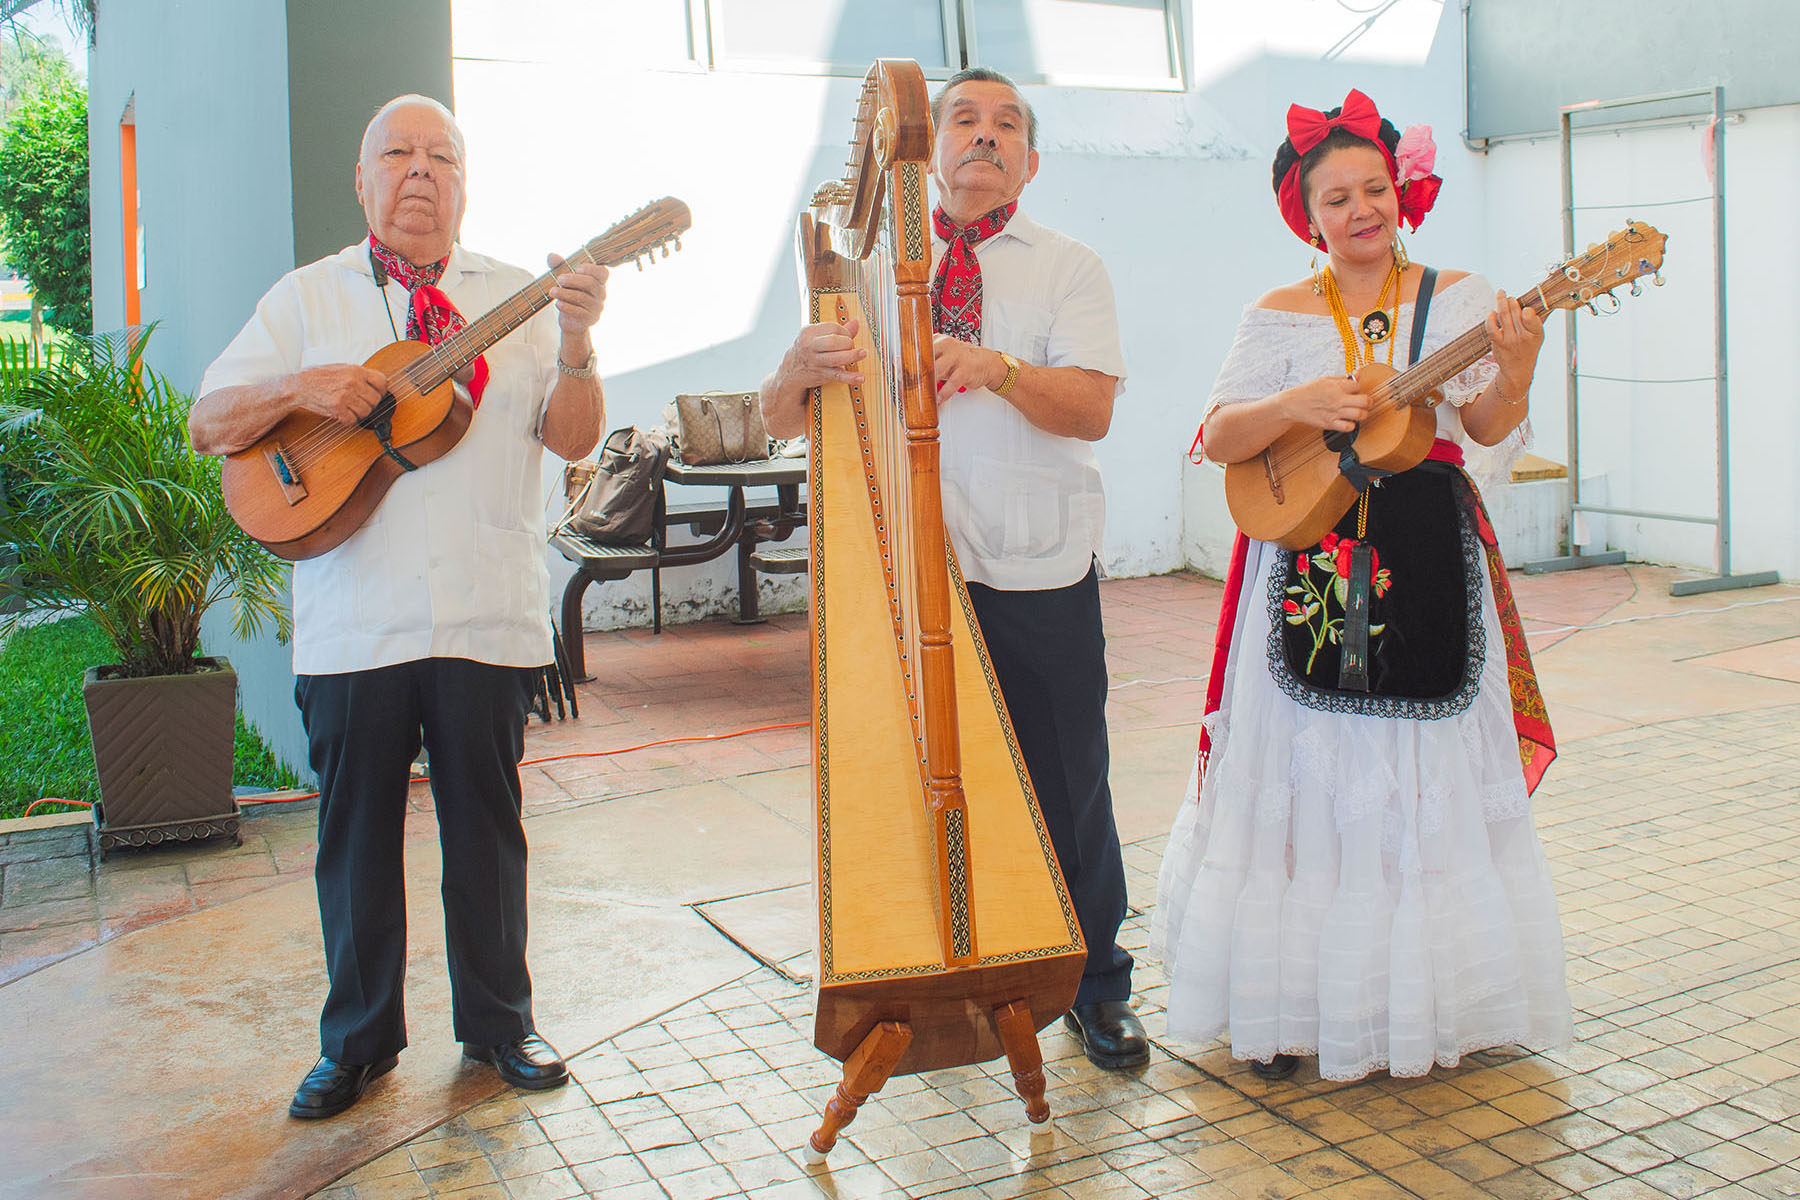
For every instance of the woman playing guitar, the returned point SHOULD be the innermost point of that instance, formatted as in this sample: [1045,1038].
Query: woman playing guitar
[1356,874]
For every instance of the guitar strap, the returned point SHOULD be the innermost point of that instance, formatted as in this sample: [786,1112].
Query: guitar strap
[1353,668]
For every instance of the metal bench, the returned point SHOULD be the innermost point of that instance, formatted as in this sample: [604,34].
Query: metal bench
[734,524]
[781,560]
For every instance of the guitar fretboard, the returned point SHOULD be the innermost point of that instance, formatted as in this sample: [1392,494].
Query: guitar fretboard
[456,352]
[1417,383]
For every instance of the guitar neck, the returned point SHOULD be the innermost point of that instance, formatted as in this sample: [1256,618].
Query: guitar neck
[451,355]
[1420,383]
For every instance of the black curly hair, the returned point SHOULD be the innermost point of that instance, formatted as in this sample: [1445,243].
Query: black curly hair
[1337,139]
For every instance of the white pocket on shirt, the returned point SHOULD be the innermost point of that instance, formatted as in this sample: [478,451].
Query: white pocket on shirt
[1015,510]
[503,583]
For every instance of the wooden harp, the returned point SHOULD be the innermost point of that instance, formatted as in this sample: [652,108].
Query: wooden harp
[946,934]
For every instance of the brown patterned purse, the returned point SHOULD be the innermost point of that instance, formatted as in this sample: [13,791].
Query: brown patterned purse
[720,427]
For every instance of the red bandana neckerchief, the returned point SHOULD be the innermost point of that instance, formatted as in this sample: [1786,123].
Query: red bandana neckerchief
[430,316]
[956,288]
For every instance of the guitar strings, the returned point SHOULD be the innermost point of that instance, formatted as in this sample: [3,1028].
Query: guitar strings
[1400,391]
[410,382]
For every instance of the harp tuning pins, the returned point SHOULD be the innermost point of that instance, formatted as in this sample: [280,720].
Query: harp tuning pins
[1572,273]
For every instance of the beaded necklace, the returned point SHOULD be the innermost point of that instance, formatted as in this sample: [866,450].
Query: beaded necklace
[1377,325]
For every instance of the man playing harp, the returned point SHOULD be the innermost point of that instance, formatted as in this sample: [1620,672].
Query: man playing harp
[1028,365]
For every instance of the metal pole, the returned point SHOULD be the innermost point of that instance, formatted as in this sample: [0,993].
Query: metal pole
[1721,386]
[1574,384]
[1722,537]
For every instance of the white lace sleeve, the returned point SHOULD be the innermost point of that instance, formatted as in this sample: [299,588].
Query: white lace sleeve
[1258,363]
[1461,306]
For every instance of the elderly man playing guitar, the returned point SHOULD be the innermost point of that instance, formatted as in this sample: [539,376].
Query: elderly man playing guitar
[1027,359]
[424,626]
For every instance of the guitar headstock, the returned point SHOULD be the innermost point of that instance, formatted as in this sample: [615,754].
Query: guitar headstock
[1625,256]
[658,224]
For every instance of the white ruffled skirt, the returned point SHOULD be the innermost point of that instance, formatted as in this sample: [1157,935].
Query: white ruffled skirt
[1366,889]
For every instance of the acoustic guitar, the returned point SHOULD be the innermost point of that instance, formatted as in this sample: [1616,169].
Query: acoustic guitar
[311,482]
[1295,491]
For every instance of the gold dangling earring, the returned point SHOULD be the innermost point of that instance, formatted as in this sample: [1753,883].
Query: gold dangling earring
[1400,260]
[1318,278]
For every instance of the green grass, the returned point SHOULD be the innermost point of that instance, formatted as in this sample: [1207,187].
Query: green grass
[44,745]
[20,331]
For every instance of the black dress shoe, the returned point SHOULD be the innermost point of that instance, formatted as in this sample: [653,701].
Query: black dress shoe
[1110,1033]
[1279,1067]
[331,1087]
[530,1063]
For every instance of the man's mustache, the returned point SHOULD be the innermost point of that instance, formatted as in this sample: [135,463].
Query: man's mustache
[982,154]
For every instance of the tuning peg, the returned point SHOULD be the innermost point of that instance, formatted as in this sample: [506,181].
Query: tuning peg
[1657,279]
[1637,289]
[1572,273]
[638,261]
[678,241]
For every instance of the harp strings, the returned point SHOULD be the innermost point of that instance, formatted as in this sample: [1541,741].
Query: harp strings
[889,459]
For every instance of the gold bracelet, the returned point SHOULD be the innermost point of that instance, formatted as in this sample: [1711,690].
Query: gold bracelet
[1501,392]
[1012,374]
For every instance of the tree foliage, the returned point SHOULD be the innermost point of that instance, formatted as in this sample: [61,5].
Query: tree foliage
[44,199]
[31,65]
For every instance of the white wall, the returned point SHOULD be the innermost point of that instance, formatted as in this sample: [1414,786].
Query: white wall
[1648,446]
[209,78]
[1172,189]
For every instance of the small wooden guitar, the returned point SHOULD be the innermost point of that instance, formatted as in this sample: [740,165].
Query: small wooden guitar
[311,482]
[1293,493]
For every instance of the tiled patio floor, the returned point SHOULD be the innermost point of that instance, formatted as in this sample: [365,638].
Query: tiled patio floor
[1674,848]
[1672,820]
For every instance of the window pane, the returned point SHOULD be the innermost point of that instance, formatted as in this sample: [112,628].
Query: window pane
[648,32]
[846,32]
[1123,39]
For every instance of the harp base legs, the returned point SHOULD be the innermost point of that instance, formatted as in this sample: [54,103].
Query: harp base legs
[867,1068]
[1018,1034]
[872,1063]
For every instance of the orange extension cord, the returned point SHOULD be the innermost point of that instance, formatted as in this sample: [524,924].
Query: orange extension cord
[530,762]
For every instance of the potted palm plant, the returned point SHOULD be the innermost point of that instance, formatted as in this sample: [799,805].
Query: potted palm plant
[113,516]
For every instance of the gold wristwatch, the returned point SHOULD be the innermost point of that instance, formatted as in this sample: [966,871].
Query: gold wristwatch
[1012,374]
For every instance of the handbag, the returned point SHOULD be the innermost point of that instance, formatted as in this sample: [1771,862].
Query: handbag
[720,427]
[612,499]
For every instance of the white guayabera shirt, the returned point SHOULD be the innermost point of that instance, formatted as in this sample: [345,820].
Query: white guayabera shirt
[1025,509]
[451,564]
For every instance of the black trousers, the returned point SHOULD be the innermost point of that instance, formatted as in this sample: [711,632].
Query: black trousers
[1049,654]
[363,730]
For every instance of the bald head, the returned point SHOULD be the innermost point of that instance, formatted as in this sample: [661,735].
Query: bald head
[372,133]
[409,177]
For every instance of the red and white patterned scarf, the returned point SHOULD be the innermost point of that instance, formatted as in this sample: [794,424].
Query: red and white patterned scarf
[956,288]
[430,316]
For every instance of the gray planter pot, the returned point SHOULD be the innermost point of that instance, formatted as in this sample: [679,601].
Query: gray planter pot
[163,750]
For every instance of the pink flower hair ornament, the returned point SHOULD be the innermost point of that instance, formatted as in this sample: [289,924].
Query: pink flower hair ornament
[1417,186]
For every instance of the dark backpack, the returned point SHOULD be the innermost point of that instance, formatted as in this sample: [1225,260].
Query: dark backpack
[616,502]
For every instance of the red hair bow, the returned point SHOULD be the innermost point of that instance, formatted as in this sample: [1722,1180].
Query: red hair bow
[1307,127]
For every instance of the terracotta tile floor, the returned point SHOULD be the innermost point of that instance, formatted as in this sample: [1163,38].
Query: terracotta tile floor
[1672,820]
